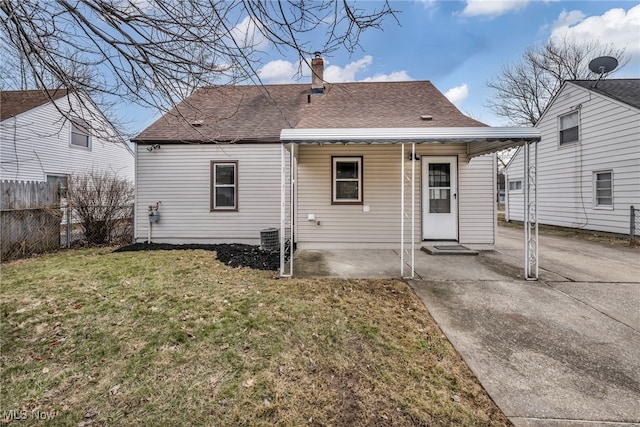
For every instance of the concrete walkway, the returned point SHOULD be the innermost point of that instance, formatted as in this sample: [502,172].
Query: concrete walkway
[563,351]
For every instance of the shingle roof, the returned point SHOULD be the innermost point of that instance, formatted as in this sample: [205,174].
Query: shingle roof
[623,90]
[259,113]
[14,102]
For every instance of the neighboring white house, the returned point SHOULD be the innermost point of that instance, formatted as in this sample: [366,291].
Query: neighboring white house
[40,141]
[588,158]
[231,161]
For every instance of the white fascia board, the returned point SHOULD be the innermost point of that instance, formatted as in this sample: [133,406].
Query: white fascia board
[409,135]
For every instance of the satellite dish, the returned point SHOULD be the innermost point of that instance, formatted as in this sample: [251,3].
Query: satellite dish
[603,64]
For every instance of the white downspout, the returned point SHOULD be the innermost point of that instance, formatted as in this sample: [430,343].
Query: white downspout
[402,211]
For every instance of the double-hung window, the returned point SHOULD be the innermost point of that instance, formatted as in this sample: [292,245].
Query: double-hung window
[80,132]
[346,180]
[224,185]
[569,128]
[603,189]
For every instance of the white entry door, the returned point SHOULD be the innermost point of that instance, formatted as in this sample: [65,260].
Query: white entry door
[439,198]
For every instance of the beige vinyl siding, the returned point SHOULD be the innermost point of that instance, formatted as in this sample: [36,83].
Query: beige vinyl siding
[351,226]
[37,143]
[609,140]
[477,200]
[178,175]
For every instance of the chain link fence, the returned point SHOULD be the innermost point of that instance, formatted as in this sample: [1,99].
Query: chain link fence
[634,226]
[28,231]
[96,225]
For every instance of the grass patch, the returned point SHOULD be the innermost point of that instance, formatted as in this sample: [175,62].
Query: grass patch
[177,338]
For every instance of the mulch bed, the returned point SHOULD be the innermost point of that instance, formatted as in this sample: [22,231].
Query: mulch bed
[234,255]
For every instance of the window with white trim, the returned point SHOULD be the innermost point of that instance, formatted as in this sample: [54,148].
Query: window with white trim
[346,177]
[80,132]
[515,185]
[569,126]
[603,189]
[224,185]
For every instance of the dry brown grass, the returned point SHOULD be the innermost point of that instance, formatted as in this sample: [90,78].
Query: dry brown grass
[177,338]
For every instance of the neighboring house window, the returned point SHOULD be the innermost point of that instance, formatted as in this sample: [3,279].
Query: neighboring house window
[569,128]
[224,185]
[346,180]
[515,185]
[80,132]
[603,189]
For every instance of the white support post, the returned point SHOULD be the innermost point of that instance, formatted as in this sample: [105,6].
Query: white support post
[402,210]
[535,207]
[506,197]
[283,208]
[292,213]
[530,191]
[413,209]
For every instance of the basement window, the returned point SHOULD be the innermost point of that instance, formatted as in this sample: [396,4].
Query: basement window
[346,177]
[603,189]
[224,185]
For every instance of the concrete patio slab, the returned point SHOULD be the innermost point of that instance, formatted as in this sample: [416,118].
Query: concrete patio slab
[347,263]
[573,258]
[540,353]
[561,352]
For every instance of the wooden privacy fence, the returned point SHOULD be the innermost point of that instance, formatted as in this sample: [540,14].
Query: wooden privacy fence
[29,218]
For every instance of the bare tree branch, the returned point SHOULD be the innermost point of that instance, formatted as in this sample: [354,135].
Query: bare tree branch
[156,52]
[523,90]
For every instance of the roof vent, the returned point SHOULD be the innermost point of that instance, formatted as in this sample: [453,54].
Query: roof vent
[426,117]
[197,123]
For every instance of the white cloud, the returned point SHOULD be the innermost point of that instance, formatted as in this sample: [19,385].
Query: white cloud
[566,19]
[279,71]
[616,26]
[247,35]
[336,74]
[492,8]
[396,76]
[457,94]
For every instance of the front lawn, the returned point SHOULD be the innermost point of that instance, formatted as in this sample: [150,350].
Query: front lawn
[94,338]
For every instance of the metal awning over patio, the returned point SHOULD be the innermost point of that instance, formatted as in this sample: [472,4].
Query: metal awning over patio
[479,141]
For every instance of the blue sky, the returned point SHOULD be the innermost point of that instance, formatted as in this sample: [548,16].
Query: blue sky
[459,45]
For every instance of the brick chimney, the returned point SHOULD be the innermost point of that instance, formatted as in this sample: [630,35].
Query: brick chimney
[317,73]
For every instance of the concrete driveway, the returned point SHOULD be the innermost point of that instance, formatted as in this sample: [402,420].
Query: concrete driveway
[563,351]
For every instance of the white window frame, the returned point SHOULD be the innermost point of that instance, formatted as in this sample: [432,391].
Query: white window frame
[596,205]
[63,179]
[214,185]
[334,180]
[80,126]
[561,129]
[515,181]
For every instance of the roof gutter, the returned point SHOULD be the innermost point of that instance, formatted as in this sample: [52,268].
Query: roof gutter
[409,135]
